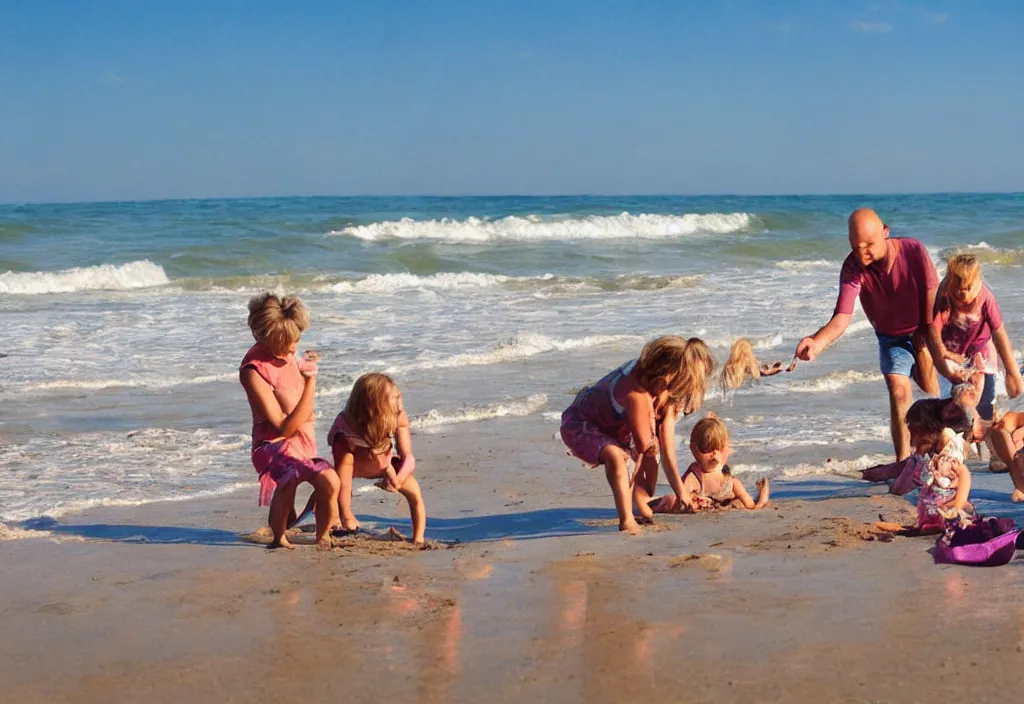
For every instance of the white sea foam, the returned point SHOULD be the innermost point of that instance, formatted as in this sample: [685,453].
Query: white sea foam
[387,283]
[140,274]
[524,407]
[53,476]
[844,468]
[834,382]
[536,227]
[858,326]
[101,384]
[807,264]
[519,347]
[765,342]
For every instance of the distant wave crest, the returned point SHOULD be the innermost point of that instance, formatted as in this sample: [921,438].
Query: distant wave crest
[139,274]
[535,227]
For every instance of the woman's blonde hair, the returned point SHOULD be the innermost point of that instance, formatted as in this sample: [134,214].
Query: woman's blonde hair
[964,267]
[277,322]
[742,363]
[370,412]
[709,434]
[680,367]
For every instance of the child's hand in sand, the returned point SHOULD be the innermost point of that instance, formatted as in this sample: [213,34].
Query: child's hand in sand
[389,482]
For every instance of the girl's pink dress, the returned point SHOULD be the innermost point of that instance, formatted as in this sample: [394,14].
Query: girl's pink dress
[279,460]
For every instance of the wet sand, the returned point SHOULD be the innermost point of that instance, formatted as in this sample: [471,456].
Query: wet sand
[539,600]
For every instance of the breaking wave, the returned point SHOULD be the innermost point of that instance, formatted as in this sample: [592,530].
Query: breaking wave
[535,227]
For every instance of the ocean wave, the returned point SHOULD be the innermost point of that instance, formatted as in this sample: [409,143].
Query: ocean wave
[858,326]
[106,277]
[71,473]
[64,508]
[519,347]
[807,264]
[834,382]
[387,283]
[987,254]
[765,342]
[101,384]
[434,418]
[833,466]
[535,227]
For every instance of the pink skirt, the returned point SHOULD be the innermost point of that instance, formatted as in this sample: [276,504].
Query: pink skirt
[276,467]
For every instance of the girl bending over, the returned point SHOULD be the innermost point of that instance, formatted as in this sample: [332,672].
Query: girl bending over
[361,440]
[615,419]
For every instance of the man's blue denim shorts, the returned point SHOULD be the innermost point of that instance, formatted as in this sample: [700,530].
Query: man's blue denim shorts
[896,354]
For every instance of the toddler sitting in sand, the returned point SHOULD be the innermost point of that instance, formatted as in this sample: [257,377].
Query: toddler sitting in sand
[361,440]
[708,483]
[936,468]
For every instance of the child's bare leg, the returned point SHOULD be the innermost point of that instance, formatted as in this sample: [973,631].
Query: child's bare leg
[281,505]
[665,504]
[418,510]
[347,518]
[1017,475]
[1002,445]
[644,486]
[617,473]
[325,492]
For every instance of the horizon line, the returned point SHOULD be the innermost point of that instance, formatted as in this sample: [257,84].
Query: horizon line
[185,199]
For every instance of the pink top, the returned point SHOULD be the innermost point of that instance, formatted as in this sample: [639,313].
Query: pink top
[969,332]
[893,299]
[341,429]
[287,383]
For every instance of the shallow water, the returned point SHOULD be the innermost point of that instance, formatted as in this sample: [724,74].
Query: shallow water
[123,323]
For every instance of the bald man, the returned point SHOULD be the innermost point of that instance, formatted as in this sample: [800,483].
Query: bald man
[896,282]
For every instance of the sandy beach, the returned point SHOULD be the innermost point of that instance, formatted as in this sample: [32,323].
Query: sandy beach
[524,594]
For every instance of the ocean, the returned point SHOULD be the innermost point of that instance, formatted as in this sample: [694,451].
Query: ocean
[122,324]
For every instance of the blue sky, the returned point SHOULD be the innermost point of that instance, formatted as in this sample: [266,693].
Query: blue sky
[146,99]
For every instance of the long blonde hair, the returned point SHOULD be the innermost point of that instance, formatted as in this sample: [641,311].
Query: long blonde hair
[680,367]
[277,322]
[964,268]
[370,412]
[742,362]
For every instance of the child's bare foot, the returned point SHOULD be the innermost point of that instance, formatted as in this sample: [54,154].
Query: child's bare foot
[645,520]
[630,526]
[1017,496]
[324,544]
[281,542]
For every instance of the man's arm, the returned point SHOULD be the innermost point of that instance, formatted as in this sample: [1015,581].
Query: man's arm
[810,347]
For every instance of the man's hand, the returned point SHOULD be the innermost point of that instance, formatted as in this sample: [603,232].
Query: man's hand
[1014,383]
[807,349]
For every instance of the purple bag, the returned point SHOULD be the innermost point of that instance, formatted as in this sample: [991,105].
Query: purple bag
[987,542]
